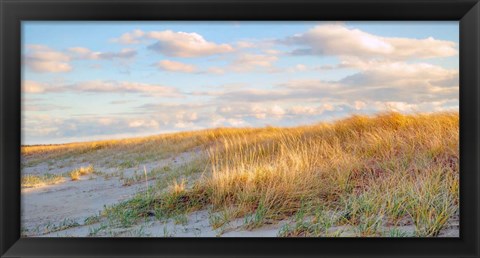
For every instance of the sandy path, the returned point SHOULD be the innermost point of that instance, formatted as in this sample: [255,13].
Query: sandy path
[72,200]
[197,225]
[49,207]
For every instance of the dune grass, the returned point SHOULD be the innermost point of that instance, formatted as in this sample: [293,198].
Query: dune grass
[82,171]
[30,181]
[128,152]
[367,173]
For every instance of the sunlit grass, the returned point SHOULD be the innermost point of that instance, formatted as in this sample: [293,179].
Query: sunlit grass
[36,181]
[132,151]
[82,171]
[365,173]
[371,170]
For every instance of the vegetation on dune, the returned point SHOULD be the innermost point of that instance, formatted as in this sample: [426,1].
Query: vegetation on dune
[35,180]
[30,181]
[369,173]
[129,152]
[82,171]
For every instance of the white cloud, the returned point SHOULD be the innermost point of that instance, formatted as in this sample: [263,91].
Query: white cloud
[236,122]
[143,123]
[400,74]
[125,53]
[258,111]
[297,68]
[178,43]
[397,81]
[106,121]
[133,37]
[39,127]
[248,62]
[182,125]
[303,110]
[339,40]
[310,110]
[41,58]
[174,66]
[185,118]
[124,87]
[98,86]
[85,53]
[277,111]
[384,73]
[360,105]
[302,84]
[183,44]
[220,121]
[396,106]
[405,107]
[301,67]
[380,80]
[32,87]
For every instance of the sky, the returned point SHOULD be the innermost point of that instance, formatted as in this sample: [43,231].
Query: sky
[84,81]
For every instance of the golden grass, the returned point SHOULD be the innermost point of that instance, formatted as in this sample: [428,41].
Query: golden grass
[131,151]
[82,171]
[364,172]
[177,141]
[372,170]
[30,181]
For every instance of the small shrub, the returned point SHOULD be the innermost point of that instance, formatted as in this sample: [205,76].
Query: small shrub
[35,181]
[74,175]
[82,171]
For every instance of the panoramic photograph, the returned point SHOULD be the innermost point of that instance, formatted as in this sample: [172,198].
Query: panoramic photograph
[240,129]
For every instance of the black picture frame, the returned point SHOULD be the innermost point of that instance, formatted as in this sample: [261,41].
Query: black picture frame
[13,12]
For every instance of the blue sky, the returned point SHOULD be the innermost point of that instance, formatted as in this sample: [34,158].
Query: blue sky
[98,80]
